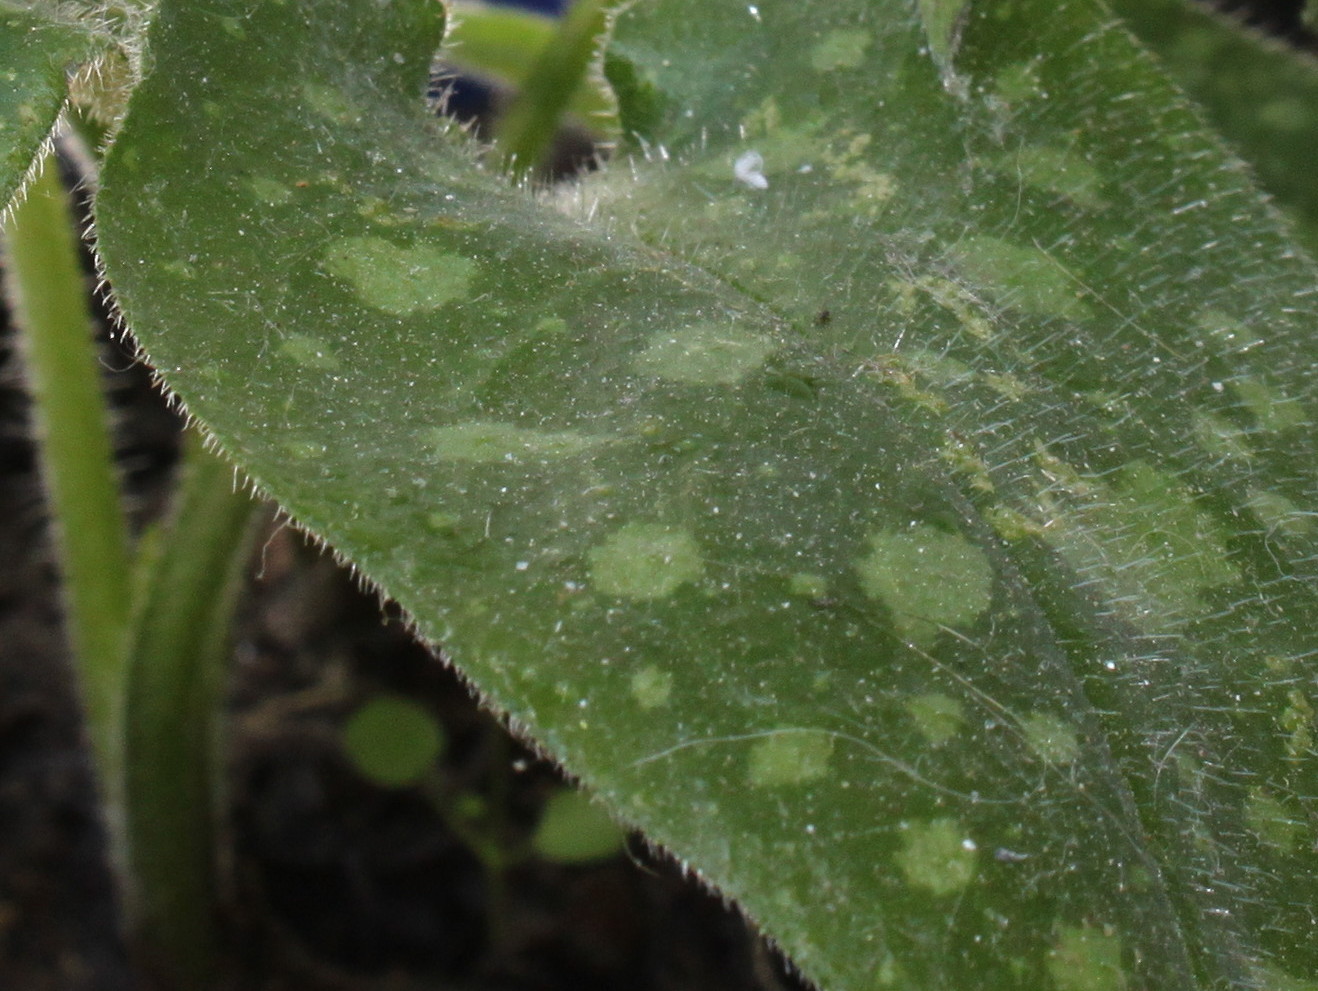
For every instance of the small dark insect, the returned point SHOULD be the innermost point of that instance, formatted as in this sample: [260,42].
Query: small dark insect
[823,317]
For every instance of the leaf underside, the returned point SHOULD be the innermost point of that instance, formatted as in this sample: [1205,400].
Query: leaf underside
[895,490]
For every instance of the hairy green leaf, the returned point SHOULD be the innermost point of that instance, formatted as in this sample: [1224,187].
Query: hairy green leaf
[1261,94]
[894,490]
[35,54]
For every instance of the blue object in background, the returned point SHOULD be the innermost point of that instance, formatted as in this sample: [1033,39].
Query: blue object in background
[551,7]
[468,98]
[474,100]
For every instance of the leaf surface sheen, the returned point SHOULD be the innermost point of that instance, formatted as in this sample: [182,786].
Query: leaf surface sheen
[918,538]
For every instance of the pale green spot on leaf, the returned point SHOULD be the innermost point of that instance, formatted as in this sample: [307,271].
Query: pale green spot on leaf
[330,103]
[1287,114]
[1021,276]
[1018,81]
[706,354]
[400,280]
[789,757]
[304,450]
[938,717]
[960,455]
[651,687]
[1013,525]
[1058,171]
[1155,553]
[1052,738]
[784,147]
[1274,979]
[551,326]
[1221,438]
[442,522]
[1280,515]
[942,29]
[928,578]
[957,300]
[900,373]
[843,48]
[1085,958]
[269,191]
[232,26]
[1230,335]
[937,856]
[310,352]
[809,585]
[1007,385]
[179,269]
[491,442]
[1271,822]
[1298,722]
[871,188]
[645,561]
[940,369]
[1271,409]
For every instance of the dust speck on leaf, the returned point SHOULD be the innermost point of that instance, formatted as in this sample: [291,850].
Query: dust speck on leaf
[748,169]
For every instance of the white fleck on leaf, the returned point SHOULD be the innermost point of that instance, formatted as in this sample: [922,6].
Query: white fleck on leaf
[749,169]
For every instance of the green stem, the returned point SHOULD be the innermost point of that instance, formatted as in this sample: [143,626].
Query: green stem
[526,130]
[149,638]
[49,291]
[179,653]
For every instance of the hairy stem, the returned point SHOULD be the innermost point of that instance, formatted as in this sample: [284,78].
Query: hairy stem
[49,293]
[193,574]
